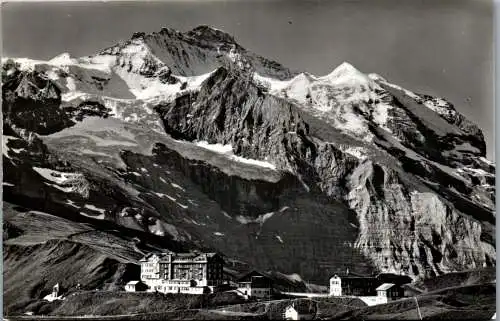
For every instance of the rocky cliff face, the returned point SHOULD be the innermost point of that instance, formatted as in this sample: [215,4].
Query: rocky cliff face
[392,196]
[190,138]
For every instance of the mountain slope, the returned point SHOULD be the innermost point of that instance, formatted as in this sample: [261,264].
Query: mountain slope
[192,138]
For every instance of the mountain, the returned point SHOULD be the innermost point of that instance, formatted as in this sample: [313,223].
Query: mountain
[199,143]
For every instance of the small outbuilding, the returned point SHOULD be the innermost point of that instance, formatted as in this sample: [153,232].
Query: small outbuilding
[300,310]
[390,291]
[135,286]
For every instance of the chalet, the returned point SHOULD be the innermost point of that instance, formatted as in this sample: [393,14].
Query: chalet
[300,310]
[194,273]
[135,286]
[390,292]
[255,284]
[351,284]
[397,279]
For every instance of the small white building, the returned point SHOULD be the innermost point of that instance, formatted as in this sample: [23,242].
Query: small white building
[335,286]
[389,291]
[54,295]
[300,310]
[55,290]
[135,286]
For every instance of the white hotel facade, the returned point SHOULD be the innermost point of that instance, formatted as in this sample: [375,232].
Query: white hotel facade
[192,273]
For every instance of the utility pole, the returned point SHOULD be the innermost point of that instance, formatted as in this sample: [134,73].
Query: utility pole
[418,308]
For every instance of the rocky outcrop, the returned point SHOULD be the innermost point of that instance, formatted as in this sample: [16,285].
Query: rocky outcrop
[231,110]
[395,228]
[32,102]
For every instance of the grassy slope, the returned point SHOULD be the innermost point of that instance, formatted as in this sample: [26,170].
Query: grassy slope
[462,278]
[464,302]
[112,303]
[46,250]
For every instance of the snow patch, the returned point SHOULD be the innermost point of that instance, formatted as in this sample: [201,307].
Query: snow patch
[98,217]
[381,115]
[356,151]
[261,219]
[228,151]
[71,203]
[487,161]
[466,147]
[218,148]
[182,205]
[478,171]
[62,59]
[226,215]
[294,277]
[52,75]
[5,149]
[61,188]
[177,186]
[94,208]
[67,182]
[165,195]
[158,229]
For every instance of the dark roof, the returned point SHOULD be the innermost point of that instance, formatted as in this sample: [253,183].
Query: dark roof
[136,283]
[410,288]
[384,277]
[344,275]
[394,278]
[147,256]
[180,256]
[248,276]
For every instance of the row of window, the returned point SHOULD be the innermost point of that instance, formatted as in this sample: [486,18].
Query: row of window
[261,291]
[170,288]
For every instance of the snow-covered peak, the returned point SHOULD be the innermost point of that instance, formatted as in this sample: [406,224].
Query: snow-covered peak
[62,59]
[345,68]
[346,73]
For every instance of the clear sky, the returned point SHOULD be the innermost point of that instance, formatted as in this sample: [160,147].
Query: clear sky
[442,48]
